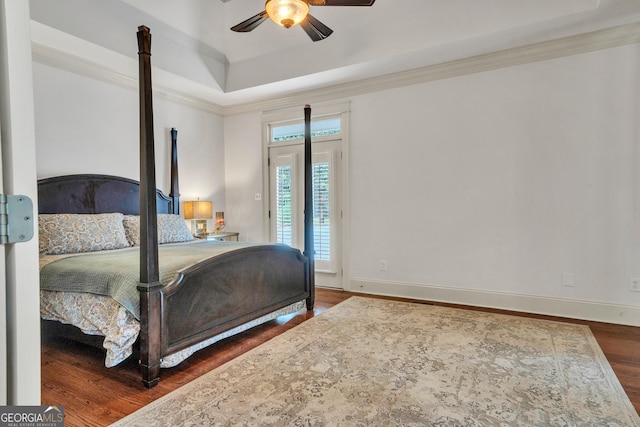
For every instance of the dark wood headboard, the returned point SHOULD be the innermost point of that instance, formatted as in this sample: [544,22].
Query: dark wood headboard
[88,194]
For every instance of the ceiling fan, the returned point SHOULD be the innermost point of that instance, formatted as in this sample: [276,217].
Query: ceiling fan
[289,13]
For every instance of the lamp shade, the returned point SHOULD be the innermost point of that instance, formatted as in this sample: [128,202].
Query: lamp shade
[198,210]
[287,13]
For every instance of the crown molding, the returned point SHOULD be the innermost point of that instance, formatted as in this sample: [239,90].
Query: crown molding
[542,51]
[73,63]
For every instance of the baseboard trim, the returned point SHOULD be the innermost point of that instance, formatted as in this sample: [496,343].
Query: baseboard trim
[561,307]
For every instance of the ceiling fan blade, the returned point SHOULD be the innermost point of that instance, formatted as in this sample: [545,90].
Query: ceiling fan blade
[251,23]
[341,2]
[315,29]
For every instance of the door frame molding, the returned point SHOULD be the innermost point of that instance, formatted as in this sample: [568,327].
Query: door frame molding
[21,309]
[280,117]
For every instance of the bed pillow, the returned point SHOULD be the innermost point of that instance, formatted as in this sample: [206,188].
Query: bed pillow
[171,229]
[73,233]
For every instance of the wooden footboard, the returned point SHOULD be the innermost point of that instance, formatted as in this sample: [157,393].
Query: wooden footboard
[216,295]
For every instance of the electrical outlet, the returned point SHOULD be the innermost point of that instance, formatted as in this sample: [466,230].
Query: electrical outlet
[258,197]
[634,284]
[567,280]
[382,265]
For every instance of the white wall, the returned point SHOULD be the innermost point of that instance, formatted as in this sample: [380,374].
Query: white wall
[493,183]
[508,179]
[480,189]
[87,126]
[243,161]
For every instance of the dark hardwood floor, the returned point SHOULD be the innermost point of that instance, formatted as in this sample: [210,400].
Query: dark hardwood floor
[74,376]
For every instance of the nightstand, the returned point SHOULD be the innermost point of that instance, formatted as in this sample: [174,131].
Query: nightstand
[224,236]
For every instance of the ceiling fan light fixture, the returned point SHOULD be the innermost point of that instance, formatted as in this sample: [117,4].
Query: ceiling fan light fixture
[287,13]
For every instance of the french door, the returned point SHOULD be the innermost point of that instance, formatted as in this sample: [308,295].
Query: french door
[286,203]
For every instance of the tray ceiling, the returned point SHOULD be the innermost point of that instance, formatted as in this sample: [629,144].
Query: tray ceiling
[193,43]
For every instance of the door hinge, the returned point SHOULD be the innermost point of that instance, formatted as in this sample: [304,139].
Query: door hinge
[16,219]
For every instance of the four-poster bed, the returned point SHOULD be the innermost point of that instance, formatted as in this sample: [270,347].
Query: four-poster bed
[233,287]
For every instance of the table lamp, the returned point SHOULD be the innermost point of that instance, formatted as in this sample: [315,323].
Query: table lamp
[198,211]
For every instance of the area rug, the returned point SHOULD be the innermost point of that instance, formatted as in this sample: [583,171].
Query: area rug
[374,362]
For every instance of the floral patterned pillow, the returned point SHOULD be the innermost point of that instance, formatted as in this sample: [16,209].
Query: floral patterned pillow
[73,233]
[171,229]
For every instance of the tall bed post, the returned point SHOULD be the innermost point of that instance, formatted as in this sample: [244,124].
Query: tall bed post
[149,272]
[309,250]
[175,189]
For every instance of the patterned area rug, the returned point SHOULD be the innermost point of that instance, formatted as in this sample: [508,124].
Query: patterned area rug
[388,363]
